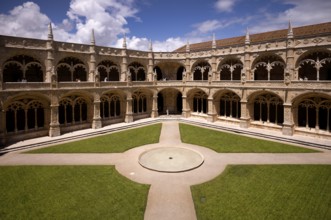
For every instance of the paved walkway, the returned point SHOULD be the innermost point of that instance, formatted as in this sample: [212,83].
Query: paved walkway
[169,195]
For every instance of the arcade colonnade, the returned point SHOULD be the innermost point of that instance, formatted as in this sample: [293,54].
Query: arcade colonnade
[283,84]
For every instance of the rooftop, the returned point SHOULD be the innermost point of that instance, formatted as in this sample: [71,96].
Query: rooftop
[303,31]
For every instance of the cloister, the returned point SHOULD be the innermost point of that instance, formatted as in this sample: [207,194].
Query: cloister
[278,80]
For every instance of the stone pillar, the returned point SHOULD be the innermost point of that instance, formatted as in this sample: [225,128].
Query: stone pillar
[288,125]
[49,62]
[1,79]
[186,111]
[128,112]
[54,127]
[289,71]
[154,107]
[245,118]
[150,66]
[2,127]
[124,66]
[97,122]
[211,110]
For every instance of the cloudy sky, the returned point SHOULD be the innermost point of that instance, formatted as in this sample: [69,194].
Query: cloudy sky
[168,23]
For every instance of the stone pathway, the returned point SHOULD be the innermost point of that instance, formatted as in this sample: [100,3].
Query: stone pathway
[169,196]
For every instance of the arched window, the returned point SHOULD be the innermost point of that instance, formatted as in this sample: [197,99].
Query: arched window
[315,66]
[231,70]
[108,71]
[268,108]
[200,104]
[71,69]
[314,113]
[137,72]
[201,70]
[22,68]
[139,103]
[269,68]
[158,73]
[24,115]
[180,72]
[110,106]
[230,105]
[72,110]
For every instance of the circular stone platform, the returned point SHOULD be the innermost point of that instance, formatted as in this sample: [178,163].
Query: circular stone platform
[171,159]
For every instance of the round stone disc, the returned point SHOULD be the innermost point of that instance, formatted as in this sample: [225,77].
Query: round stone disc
[171,159]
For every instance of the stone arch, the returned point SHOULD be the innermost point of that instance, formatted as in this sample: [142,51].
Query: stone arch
[312,111]
[75,108]
[170,101]
[23,68]
[142,101]
[230,69]
[266,107]
[137,71]
[200,70]
[198,101]
[314,65]
[158,73]
[169,70]
[71,69]
[227,104]
[112,105]
[108,71]
[268,66]
[26,113]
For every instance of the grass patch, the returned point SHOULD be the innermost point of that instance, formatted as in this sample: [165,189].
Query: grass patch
[112,143]
[266,192]
[224,142]
[69,192]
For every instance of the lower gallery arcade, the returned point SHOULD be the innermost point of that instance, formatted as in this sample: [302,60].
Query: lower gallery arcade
[51,88]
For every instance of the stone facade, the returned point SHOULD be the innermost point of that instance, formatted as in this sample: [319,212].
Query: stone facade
[278,80]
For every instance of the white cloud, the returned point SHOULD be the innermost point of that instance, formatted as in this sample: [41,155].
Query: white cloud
[24,21]
[225,5]
[301,12]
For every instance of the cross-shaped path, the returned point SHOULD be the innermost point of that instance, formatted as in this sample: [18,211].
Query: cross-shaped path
[169,195]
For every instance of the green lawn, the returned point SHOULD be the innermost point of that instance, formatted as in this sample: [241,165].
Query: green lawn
[224,142]
[112,143]
[266,192]
[69,192]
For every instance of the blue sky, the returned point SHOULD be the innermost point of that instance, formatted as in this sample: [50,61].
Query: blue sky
[168,23]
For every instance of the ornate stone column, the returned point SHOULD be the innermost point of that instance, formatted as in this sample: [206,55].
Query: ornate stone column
[288,125]
[124,64]
[97,122]
[50,56]
[245,118]
[1,79]
[54,126]
[92,65]
[155,113]
[2,126]
[289,71]
[211,110]
[150,63]
[128,112]
[186,111]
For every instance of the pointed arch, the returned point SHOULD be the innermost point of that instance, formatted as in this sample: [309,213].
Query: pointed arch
[23,68]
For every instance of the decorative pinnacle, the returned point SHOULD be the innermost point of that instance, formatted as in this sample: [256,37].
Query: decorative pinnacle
[290,30]
[92,37]
[213,46]
[187,47]
[150,45]
[124,41]
[50,32]
[247,38]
